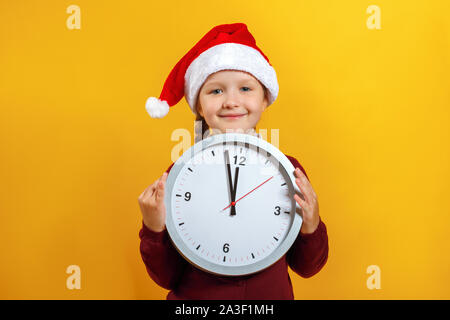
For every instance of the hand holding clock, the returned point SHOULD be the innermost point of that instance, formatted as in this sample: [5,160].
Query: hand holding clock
[151,203]
[310,205]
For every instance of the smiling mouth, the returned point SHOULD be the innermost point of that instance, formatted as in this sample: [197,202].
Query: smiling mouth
[237,116]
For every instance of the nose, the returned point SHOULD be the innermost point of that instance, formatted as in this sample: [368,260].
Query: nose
[231,100]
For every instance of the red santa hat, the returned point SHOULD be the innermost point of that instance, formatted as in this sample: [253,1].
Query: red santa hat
[224,47]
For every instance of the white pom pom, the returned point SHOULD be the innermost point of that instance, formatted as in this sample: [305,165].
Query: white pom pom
[156,108]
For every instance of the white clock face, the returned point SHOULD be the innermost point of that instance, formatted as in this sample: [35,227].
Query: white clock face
[231,206]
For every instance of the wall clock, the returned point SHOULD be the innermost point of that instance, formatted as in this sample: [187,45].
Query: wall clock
[230,204]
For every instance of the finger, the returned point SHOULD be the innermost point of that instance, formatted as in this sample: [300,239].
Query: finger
[299,173]
[151,190]
[302,203]
[307,187]
[304,190]
[156,184]
[147,191]
[160,187]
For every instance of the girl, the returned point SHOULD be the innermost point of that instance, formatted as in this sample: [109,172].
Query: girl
[228,83]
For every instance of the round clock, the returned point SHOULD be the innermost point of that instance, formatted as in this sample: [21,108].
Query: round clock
[230,204]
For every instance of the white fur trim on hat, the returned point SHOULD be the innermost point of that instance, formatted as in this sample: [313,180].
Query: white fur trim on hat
[156,108]
[224,56]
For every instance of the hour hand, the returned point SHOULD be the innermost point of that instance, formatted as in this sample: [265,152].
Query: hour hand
[230,187]
[233,199]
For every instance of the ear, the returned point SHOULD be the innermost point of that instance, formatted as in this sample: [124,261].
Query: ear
[198,107]
[266,99]
[200,110]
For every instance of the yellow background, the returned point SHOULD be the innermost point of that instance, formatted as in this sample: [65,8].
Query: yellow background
[366,112]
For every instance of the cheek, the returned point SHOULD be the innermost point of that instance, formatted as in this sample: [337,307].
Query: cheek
[209,111]
[205,106]
[210,115]
[256,108]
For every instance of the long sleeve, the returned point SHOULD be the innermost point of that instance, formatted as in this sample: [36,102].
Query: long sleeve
[309,253]
[163,262]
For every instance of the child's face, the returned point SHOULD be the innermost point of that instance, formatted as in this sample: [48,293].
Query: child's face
[230,100]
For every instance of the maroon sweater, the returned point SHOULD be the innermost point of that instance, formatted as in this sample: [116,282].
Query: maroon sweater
[170,270]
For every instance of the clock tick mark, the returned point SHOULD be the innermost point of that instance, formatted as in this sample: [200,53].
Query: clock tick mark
[190,169]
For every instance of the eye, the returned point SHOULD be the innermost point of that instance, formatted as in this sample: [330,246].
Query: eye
[213,91]
[246,88]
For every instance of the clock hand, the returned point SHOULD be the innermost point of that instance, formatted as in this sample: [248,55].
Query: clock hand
[233,199]
[232,194]
[234,202]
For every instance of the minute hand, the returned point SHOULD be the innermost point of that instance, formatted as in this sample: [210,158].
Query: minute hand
[233,203]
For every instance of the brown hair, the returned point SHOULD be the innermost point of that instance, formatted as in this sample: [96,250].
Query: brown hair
[200,128]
